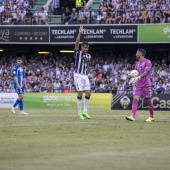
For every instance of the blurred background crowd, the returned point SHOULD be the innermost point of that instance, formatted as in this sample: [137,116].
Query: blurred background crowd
[38,12]
[54,73]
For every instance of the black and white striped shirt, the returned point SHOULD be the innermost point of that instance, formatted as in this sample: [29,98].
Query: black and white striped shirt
[81,62]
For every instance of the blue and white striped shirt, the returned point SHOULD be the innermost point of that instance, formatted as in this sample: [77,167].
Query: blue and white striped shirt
[20,74]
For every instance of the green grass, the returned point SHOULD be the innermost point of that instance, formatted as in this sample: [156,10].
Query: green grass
[58,140]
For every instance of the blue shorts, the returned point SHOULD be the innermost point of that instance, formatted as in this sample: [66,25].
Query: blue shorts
[19,91]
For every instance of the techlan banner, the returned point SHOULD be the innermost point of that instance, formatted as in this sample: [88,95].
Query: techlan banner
[154,33]
[124,102]
[94,34]
[65,101]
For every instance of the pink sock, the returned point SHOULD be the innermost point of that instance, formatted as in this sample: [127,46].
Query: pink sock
[150,106]
[134,107]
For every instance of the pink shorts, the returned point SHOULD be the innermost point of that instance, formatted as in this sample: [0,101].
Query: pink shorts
[144,92]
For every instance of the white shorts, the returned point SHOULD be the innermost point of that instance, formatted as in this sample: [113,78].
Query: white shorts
[81,82]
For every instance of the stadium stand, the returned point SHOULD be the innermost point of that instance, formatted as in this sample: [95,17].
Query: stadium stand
[54,73]
[108,11]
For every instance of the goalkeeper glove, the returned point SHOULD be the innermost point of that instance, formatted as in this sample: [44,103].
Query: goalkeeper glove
[129,76]
[134,80]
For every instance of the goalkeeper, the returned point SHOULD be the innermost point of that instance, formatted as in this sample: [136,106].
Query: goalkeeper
[142,85]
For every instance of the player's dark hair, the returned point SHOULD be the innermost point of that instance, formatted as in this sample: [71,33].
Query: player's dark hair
[142,51]
[19,58]
[85,43]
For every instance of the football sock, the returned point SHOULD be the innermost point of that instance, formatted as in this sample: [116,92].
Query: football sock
[79,105]
[150,106]
[21,105]
[16,103]
[134,107]
[86,103]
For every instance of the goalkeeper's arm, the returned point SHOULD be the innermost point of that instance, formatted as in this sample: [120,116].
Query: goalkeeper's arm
[135,79]
[144,74]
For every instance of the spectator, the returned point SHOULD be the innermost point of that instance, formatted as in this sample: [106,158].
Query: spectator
[166,15]
[13,7]
[36,16]
[151,15]
[165,84]
[113,79]
[14,17]
[167,90]
[158,15]
[55,6]
[84,2]
[43,17]
[120,88]
[153,89]
[103,16]
[66,90]
[1,12]
[144,14]
[92,84]
[78,4]
[128,16]
[66,16]
[73,18]
[20,5]
[73,88]
[101,5]
[26,5]
[106,67]
[7,13]
[28,17]
[102,87]
[89,16]
[108,18]
[21,14]
[114,90]
[160,90]
[81,15]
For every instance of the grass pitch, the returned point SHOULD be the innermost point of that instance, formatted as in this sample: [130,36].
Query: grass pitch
[58,140]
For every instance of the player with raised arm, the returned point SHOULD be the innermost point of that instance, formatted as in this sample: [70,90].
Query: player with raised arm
[142,83]
[19,82]
[81,80]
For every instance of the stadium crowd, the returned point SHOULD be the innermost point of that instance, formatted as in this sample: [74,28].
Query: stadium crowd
[19,12]
[120,12]
[134,11]
[54,73]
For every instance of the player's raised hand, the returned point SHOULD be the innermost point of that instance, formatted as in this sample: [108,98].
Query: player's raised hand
[81,29]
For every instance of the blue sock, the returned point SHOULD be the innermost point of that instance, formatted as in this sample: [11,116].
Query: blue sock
[16,103]
[21,105]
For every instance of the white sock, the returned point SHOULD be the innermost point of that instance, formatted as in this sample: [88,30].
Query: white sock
[79,105]
[86,104]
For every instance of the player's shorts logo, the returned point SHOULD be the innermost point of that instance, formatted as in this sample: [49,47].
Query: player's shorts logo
[125,101]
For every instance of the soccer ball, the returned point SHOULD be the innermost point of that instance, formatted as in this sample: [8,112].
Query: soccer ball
[134,73]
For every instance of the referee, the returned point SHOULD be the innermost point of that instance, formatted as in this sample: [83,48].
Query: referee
[81,80]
